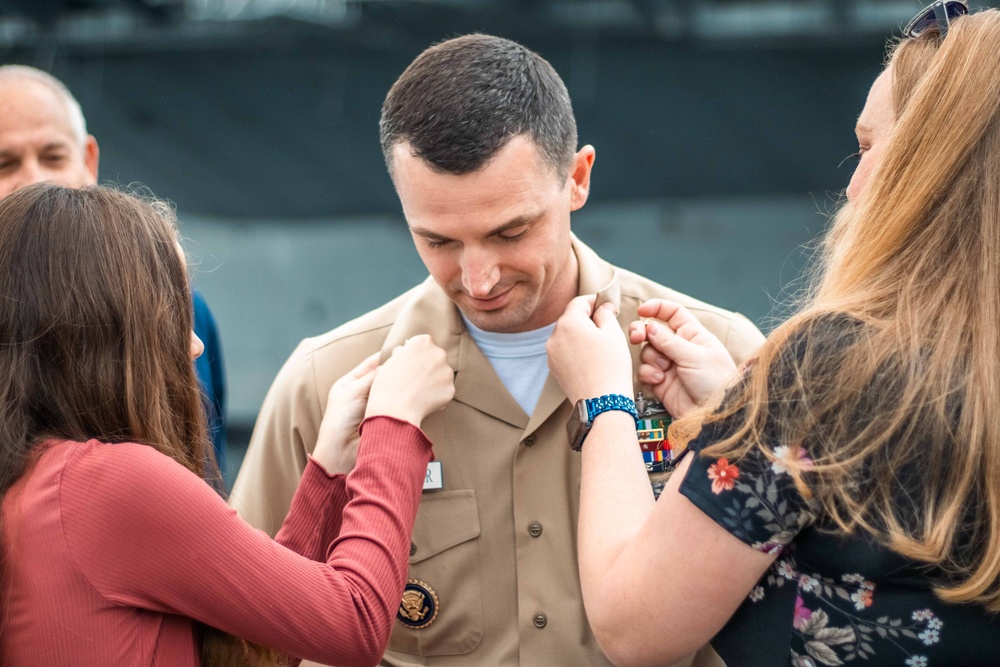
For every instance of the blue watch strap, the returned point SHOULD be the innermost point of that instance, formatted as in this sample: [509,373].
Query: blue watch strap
[596,406]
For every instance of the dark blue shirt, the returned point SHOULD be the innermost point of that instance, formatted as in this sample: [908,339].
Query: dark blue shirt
[211,376]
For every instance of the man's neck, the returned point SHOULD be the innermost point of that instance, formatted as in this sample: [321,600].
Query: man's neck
[565,289]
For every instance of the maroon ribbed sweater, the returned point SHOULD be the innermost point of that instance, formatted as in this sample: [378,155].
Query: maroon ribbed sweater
[112,550]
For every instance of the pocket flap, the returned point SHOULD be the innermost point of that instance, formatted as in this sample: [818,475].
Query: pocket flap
[444,519]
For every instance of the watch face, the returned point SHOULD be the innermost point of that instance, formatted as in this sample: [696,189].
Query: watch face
[578,426]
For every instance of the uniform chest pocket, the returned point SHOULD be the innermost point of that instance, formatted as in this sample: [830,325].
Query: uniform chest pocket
[444,560]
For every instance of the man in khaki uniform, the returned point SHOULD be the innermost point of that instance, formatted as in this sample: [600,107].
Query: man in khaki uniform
[480,141]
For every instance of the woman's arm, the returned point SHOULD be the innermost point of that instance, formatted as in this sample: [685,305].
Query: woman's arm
[334,456]
[147,533]
[659,578]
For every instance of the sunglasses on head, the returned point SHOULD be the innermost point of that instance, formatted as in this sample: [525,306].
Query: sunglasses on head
[938,14]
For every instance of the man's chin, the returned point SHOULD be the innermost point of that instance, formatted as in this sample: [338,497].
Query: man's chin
[502,320]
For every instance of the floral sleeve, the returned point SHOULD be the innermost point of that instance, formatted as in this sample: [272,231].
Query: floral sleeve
[754,498]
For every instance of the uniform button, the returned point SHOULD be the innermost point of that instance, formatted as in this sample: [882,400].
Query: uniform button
[535,529]
[540,621]
[529,441]
[413,548]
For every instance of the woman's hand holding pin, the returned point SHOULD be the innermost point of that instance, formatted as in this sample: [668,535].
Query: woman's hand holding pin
[682,362]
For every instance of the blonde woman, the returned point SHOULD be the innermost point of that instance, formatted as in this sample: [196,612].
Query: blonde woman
[839,502]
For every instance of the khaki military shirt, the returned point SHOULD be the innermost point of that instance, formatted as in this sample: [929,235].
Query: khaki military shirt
[497,544]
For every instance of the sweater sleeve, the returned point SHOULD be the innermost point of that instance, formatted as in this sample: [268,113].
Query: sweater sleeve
[146,532]
[316,514]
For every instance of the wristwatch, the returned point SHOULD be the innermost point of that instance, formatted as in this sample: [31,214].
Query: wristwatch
[585,410]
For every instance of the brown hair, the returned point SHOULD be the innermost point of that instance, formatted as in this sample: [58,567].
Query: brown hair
[95,326]
[463,100]
[887,376]
[95,334]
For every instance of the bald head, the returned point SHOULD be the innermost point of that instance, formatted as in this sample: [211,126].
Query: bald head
[43,135]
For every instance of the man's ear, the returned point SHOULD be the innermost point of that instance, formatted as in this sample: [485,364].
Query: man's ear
[91,156]
[583,163]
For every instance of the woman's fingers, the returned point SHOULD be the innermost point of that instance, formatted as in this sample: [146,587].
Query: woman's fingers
[366,366]
[415,381]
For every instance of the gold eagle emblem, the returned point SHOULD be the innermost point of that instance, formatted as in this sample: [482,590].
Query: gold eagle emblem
[419,606]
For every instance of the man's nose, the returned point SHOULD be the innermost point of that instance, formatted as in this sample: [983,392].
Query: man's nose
[480,272]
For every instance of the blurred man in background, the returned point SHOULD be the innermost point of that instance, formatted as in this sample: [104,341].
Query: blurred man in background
[480,141]
[43,137]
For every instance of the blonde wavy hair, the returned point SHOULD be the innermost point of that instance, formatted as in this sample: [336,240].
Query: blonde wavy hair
[887,376]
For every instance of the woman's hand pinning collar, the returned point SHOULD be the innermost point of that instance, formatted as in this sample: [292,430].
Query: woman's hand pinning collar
[588,353]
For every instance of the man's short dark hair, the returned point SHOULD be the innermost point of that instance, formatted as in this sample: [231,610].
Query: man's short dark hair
[463,100]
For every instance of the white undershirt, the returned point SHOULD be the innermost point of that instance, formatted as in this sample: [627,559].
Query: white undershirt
[519,360]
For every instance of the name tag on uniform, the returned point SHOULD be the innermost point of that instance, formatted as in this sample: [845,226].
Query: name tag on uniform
[434,478]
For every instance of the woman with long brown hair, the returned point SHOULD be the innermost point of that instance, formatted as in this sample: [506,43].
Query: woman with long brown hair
[839,500]
[115,551]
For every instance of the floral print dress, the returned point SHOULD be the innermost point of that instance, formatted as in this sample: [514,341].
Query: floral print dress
[828,599]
